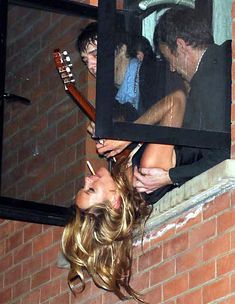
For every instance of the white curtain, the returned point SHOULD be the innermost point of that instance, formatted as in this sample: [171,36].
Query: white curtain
[222,20]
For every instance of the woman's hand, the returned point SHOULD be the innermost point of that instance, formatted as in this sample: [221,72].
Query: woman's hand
[150,179]
[91,128]
[110,148]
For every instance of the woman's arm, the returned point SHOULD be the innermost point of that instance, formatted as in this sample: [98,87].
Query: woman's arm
[172,113]
[168,111]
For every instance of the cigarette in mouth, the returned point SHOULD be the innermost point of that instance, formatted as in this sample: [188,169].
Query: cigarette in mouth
[90,167]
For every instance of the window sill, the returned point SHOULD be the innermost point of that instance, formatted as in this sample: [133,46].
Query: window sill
[199,190]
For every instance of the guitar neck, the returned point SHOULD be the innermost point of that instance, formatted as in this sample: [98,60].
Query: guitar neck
[85,105]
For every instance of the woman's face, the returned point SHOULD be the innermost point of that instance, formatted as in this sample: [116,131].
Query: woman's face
[121,63]
[98,188]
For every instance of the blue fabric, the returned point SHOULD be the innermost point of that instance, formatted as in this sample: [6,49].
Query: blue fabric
[129,89]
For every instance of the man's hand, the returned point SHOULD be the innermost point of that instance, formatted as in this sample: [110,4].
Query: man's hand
[110,148]
[150,179]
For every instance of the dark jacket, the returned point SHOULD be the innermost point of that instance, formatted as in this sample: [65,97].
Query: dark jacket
[208,108]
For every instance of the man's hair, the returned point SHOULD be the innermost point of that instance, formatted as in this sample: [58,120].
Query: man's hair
[99,240]
[88,35]
[182,23]
[142,44]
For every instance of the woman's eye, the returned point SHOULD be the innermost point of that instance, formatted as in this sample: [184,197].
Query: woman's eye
[91,190]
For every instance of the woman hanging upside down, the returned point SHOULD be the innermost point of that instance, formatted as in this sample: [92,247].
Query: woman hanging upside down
[98,238]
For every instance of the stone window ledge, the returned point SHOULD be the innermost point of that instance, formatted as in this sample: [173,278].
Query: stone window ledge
[199,190]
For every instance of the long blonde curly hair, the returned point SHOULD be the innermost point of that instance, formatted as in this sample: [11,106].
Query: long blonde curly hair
[99,240]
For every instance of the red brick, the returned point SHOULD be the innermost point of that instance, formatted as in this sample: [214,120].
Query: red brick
[202,274]
[226,221]
[32,298]
[56,147]
[6,229]
[153,296]
[163,233]
[175,246]
[66,124]
[188,260]
[55,182]
[57,233]
[6,262]
[2,248]
[73,171]
[23,252]
[5,295]
[201,233]
[233,197]
[162,272]
[42,242]
[14,241]
[140,281]
[21,287]
[41,277]
[216,247]
[97,300]
[183,225]
[109,297]
[68,156]
[226,264]
[61,299]
[216,290]
[219,204]
[32,231]
[75,135]
[13,275]
[194,297]
[32,265]
[50,290]
[50,255]
[150,258]
[175,287]
[230,300]
[65,195]
[233,282]
[56,271]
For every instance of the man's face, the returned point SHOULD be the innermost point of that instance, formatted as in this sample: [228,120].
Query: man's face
[178,61]
[89,57]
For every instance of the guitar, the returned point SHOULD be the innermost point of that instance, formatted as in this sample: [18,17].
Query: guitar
[63,65]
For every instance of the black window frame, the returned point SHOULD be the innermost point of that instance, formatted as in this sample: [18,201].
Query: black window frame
[29,211]
[17,209]
[106,127]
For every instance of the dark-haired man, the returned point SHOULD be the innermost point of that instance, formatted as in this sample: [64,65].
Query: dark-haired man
[186,42]
[156,82]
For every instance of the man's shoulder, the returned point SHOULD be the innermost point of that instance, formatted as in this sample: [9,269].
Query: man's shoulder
[223,49]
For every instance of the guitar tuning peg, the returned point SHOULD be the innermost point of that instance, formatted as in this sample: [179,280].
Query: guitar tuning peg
[68,69]
[65,53]
[70,65]
[67,59]
[73,80]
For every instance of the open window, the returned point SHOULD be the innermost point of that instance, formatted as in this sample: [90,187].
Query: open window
[42,129]
[34,105]
[140,18]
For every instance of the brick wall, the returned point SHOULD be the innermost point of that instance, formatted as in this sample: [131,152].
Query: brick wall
[187,261]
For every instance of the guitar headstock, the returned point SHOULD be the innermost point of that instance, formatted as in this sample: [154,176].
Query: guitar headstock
[63,65]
